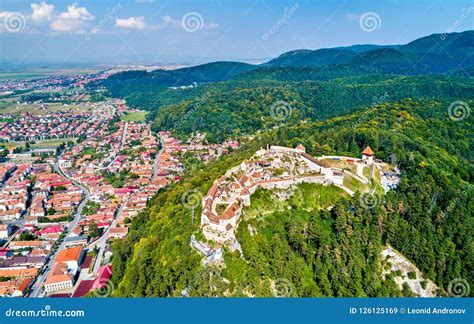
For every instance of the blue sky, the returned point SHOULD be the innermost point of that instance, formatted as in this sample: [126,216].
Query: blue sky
[199,31]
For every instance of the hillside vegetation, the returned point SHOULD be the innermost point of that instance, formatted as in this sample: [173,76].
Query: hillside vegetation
[319,242]
[434,54]
[301,251]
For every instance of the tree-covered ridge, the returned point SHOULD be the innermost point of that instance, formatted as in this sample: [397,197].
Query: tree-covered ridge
[319,252]
[435,54]
[231,109]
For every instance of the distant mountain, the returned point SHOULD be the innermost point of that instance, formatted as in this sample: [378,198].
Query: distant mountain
[324,56]
[210,72]
[464,71]
[307,58]
[452,43]
[434,54]
[367,47]
[299,74]
[437,53]
[388,60]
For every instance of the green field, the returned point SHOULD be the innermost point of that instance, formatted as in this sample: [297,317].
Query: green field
[6,107]
[51,143]
[44,72]
[138,116]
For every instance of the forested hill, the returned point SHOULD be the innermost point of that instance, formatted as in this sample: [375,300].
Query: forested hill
[410,103]
[319,252]
[210,72]
[323,83]
[436,53]
[235,108]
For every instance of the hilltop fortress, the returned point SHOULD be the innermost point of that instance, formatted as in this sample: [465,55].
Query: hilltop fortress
[273,168]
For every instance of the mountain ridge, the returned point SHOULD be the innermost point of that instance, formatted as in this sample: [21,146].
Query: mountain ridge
[436,53]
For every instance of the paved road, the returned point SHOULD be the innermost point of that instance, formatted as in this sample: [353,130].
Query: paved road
[20,223]
[157,164]
[101,242]
[122,143]
[124,135]
[36,291]
[37,288]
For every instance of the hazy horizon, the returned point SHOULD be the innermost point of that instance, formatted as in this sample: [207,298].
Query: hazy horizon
[194,32]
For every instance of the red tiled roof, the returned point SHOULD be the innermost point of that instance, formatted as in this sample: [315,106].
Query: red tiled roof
[368,151]
[71,254]
[83,288]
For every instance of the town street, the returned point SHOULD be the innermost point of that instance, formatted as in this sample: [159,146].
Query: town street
[36,290]
[156,164]
[101,242]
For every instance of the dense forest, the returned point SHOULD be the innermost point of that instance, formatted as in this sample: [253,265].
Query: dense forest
[247,109]
[435,54]
[231,108]
[397,99]
[323,253]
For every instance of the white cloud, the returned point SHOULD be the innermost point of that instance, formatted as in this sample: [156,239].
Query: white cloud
[41,11]
[76,13]
[68,26]
[74,20]
[132,22]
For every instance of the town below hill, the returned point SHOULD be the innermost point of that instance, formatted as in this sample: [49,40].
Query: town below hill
[72,185]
